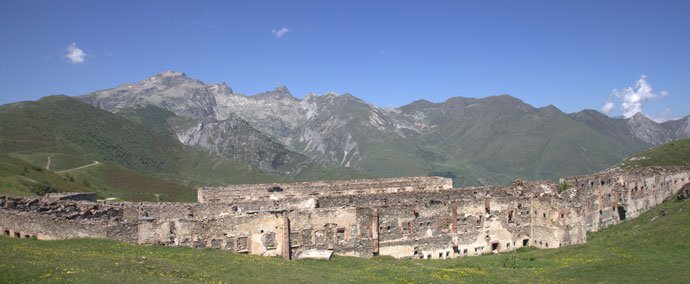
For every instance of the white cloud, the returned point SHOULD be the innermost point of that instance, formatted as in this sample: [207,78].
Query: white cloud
[74,54]
[280,32]
[633,97]
[608,107]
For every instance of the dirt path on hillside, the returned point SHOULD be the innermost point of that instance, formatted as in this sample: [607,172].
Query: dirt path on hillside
[79,168]
[48,163]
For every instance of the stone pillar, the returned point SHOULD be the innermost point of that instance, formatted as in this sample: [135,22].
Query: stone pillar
[200,195]
[375,231]
[286,237]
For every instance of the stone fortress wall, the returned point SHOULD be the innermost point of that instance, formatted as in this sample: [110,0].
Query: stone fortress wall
[420,217]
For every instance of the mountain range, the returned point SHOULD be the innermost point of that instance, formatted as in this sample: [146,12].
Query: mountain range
[476,141]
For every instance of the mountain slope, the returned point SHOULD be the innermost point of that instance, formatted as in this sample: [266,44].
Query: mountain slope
[489,140]
[328,129]
[231,138]
[221,132]
[507,138]
[18,177]
[676,153]
[73,134]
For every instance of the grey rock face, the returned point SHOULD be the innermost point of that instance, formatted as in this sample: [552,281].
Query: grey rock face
[220,131]
[235,139]
[318,126]
[170,90]
[648,131]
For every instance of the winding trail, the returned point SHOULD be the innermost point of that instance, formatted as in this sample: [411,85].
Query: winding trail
[48,163]
[79,168]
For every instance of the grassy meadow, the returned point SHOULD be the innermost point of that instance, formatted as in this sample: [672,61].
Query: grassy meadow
[676,153]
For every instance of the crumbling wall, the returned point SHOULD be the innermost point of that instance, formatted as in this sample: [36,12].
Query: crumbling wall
[346,231]
[611,198]
[403,218]
[267,192]
[62,219]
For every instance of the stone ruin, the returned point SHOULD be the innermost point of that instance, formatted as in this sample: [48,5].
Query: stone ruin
[417,217]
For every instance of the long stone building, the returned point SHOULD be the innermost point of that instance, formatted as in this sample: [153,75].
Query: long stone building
[418,217]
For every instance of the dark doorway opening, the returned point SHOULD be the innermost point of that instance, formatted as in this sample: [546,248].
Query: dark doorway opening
[494,246]
[525,242]
[621,213]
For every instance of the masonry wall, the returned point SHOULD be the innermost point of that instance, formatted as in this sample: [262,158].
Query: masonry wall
[273,191]
[423,219]
[612,198]
[63,219]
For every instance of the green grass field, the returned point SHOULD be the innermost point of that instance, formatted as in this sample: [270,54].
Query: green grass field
[676,153]
[637,251]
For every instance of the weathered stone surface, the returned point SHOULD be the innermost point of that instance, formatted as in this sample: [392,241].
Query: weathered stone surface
[405,217]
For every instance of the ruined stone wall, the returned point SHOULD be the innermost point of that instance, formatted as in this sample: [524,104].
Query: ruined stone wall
[268,192]
[456,223]
[423,219]
[608,199]
[62,219]
[261,234]
[269,233]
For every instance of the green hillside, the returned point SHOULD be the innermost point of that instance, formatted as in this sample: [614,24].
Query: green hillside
[676,153]
[18,177]
[498,139]
[135,162]
[640,250]
[131,155]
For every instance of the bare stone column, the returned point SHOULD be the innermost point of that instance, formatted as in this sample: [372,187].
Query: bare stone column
[286,237]
[454,215]
[375,231]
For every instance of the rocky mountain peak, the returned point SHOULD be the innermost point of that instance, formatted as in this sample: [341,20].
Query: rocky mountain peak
[280,92]
[168,79]
[550,110]
[170,73]
[639,117]
[282,89]
[222,89]
[646,129]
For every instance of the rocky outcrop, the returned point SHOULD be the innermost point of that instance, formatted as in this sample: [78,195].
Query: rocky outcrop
[235,139]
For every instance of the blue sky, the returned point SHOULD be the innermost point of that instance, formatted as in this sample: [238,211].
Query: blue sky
[571,54]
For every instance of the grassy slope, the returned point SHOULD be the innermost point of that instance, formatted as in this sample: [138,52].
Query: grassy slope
[501,138]
[113,181]
[137,162]
[676,153]
[638,250]
[18,177]
[139,158]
